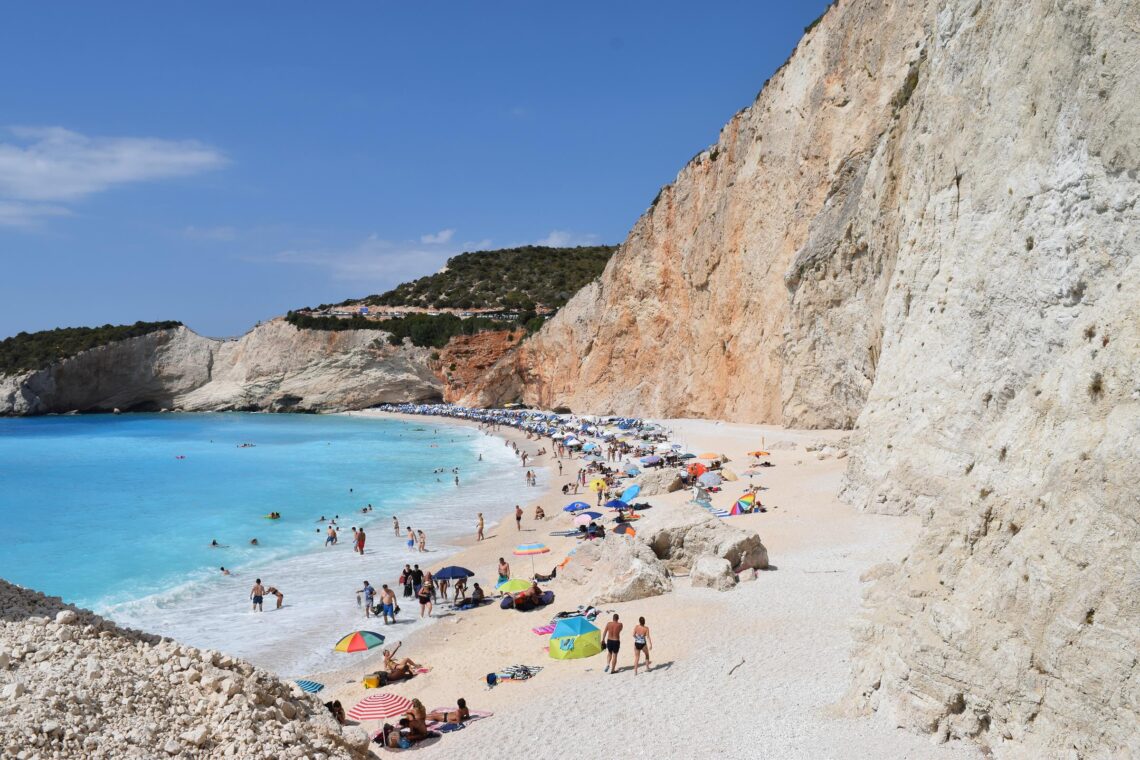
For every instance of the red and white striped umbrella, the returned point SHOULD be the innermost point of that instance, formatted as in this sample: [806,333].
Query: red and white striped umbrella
[380,706]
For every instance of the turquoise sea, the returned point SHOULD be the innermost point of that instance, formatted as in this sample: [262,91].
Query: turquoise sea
[117,513]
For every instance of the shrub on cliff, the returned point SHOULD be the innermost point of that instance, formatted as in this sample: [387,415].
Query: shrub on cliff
[512,278]
[25,352]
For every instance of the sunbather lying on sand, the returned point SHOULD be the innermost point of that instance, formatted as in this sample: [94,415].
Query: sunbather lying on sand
[461,713]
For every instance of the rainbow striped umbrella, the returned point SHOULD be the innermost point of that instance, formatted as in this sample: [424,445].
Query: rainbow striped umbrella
[744,504]
[529,550]
[379,707]
[359,641]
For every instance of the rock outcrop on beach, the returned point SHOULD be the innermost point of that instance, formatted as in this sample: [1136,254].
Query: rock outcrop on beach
[75,685]
[617,569]
[925,228]
[695,533]
[273,367]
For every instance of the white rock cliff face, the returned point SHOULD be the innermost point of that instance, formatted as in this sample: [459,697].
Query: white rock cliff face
[272,367]
[925,228]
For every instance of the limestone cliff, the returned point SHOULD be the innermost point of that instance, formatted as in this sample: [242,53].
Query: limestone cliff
[273,367]
[926,228]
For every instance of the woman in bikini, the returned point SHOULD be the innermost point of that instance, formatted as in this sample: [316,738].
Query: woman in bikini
[458,715]
[642,642]
[417,720]
[398,669]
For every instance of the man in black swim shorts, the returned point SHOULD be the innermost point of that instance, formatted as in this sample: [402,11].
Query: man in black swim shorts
[611,637]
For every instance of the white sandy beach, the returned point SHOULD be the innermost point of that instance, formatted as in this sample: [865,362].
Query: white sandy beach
[755,671]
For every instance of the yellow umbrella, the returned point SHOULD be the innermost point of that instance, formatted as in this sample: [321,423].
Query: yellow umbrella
[597,484]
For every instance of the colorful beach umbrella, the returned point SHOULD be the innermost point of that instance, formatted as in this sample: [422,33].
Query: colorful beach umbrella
[574,638]
[526,550]
[696,469]
[625,529]
[576,506]
[630,493]
[758,454]
[513,586]
[359,641]
[597,484]
[379,707]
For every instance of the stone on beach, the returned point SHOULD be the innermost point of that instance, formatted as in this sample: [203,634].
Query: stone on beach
[694,534]
[712,572]
[617,569]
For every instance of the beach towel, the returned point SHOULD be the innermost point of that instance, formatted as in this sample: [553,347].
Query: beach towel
[312,687]
[544,630]
[519,672]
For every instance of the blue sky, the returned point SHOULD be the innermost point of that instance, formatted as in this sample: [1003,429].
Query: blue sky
[220,163]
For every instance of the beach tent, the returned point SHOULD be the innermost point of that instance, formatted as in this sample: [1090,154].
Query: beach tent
[574,638]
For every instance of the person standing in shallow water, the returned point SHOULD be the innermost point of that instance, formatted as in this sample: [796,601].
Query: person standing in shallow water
[257,594]
[518,517]
[479,532]
[396,525]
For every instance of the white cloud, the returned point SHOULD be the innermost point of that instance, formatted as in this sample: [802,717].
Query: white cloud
[372,262]
[56,164]
[222,233]
[564,238]
[28,215]
[439,238]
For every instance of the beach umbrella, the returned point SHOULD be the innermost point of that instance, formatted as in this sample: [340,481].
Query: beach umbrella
[597,484]
[664,448]
[650,460]
[451,573]
[576,506]
[514,585]
[625,529]
[630,493]
[593,458]
[379,707]
[617,504]
[529,550]
[359,641]
[710,479]
[728,475]
[745,503]
[585,518]
[709,455]
[758,454]
[696,469]
[631,469]
[574,638]
[589,447]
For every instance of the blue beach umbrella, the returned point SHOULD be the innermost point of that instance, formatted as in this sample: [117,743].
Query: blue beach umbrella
[630,493]
[589,447]
[451,573]
[575,506]
[650,460]
[617,504]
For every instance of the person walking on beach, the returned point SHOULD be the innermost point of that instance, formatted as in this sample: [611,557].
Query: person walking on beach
[611,639]
[411,539]
[417,579]
[518,517]
[423,541]
[479,532]
[257,594]
[369,594]
[642,642]
[388,603]
[396,525]
[406,581]
[424,596]
[360,542]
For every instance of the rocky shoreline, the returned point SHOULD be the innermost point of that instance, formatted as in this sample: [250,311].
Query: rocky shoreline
[75,685]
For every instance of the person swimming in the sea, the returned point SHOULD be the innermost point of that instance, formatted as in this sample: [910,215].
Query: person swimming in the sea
[253,542]
[225,571]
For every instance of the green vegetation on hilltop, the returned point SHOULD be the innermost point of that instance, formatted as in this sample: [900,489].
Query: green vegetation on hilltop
[511,278]
[425,330]
[31,351]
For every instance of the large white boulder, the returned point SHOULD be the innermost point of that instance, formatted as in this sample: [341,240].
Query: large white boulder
[693,534]
[709,571]
[617,569]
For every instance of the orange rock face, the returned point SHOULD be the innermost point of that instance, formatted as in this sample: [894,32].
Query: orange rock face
[464,361]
